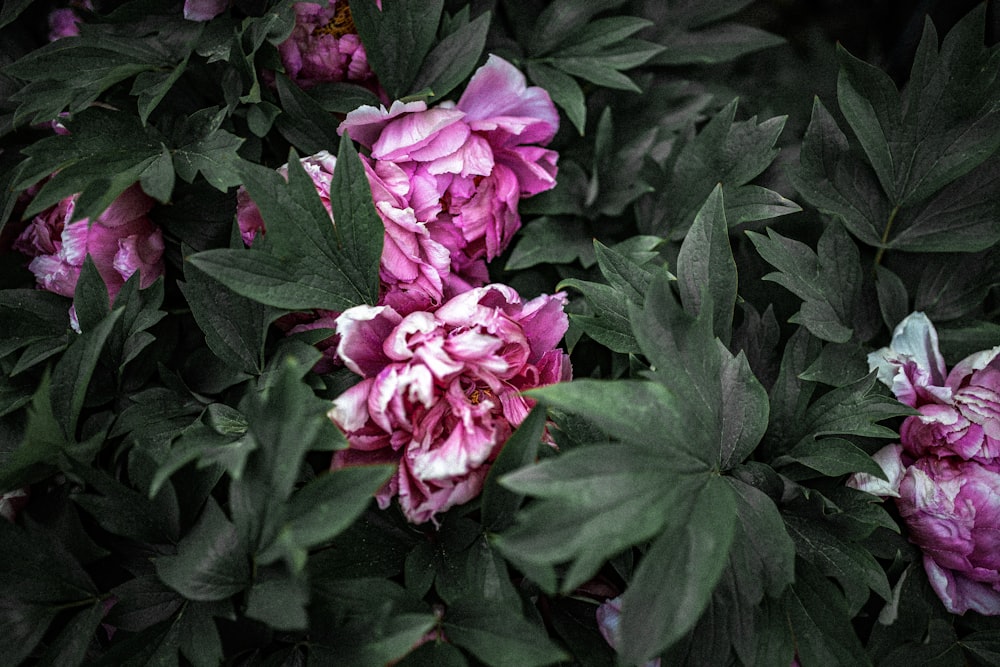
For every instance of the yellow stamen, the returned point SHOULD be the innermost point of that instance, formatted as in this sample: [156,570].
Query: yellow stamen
[341,24]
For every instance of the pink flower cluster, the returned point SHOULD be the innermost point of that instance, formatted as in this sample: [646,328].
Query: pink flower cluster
[945,472]
[121,241]
[444,355]
[440,392]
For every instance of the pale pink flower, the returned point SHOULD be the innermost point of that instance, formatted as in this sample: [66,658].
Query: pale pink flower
[455,173]
[441,390]
[324,46]
[121,241]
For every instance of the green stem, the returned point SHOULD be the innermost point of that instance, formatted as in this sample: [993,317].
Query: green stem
[885,235]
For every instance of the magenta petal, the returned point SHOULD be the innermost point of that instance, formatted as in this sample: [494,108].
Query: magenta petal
[499,89]
[362,330]
[365,123]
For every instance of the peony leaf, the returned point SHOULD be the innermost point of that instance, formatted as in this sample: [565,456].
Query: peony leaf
[211,562]
[675,579]
[705,264]
[396,39]
[498,637]
[521,449]
[452,60]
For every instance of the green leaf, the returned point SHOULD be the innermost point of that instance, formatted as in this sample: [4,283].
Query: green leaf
[105,153]
[676,577]
[25,624]
[214,155]
[828,280]
[726,152]
[211,563]
[717,43]
[157,179]
[852,410]
[280,602]
[830,177]
[500,505]
[452,60]
[151,87]
[835,456]
[498,637]
[563,19]
[90,298]
[609,324]
[819,620]
[322,509]
[308,262]
[944,124]
[72,374]
[303,121]
[598,500]
[563,89]
[71,644]
[893,301]
[549,240]
[397,39]
[234,326]
[851,564]
[705,264]
[946,294]
[363,622]
[723,402]
[11,10]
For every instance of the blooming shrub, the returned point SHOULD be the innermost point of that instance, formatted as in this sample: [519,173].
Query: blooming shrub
[497,333]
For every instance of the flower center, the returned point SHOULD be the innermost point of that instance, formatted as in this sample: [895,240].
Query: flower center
[478,395]
[342,22]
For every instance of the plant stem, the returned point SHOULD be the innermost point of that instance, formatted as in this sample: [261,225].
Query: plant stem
[885,235]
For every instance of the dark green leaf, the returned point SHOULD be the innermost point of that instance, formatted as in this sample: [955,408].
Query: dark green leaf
[705,264]
[90,298]
[234,326]
[306,124]
[105,153]
[214,156]
[397,39]
[835,456]
[548,240]
[499,504]
[69,648]
[564,89]
[677,575]
[819,620]
[498,637]
[718,43]
[71,376]
[454,57]
[211,563]
[280,602]
[322,509]
[827,280]
[726,152]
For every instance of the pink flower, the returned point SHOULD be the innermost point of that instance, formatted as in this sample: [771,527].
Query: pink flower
[952,510]
[454,175]
[204,10]
[65,22]
[121,241]
[324,46]
[960,411]
[440,392]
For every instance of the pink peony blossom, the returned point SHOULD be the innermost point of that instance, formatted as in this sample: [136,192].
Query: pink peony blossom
[959,411]
[945,473]
[121,241]
[450,178]
[440,392]
[324,46]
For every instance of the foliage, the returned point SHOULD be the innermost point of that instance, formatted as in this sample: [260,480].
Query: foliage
[725,278]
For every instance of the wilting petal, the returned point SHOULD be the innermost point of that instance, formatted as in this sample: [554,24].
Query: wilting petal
[912,365]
